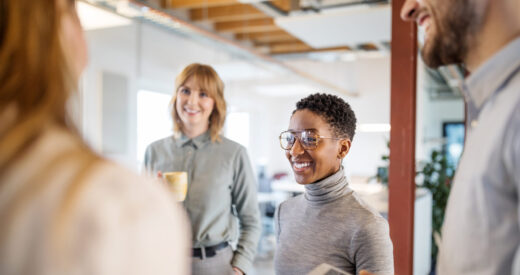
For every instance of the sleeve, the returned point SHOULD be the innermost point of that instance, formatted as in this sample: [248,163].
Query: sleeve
[373,249]
[511,159]
[277,226]
[244,197]
[512,149]
[149,158]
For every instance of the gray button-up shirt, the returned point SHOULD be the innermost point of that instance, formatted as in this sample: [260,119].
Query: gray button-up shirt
[481,234]
[221,188]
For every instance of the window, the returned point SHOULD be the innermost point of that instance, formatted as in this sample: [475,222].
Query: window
[153,119]
[237,127]
[453,132]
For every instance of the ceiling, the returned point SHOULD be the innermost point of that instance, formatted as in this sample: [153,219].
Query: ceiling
[290,26]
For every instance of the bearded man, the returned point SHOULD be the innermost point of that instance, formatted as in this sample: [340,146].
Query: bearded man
[481,233]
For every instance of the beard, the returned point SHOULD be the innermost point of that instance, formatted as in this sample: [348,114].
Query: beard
[455,24]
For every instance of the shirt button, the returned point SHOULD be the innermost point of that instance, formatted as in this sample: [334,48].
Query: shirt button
[474,123]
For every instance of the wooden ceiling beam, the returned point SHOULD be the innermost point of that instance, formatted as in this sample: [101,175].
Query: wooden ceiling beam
[192,4]
[260,35]
[292,47]
[267,37]
[249,26]
[286,5]
[300,47]
[227,13]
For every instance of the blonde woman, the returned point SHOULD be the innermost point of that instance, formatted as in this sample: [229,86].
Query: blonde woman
[63,208]
[221,184]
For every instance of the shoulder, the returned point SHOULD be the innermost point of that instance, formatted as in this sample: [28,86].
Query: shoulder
[129,213]
[229,144]
[289,205]
[229,148]
[160,143]
[126,194]
[360,212]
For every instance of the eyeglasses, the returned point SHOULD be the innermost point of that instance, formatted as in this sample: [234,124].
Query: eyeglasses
[309,139]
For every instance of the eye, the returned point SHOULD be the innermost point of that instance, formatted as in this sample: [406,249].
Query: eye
[203,94]
[185,91]
[309,139]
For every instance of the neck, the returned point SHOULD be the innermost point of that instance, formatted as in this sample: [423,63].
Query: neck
[501,25]
[194,131]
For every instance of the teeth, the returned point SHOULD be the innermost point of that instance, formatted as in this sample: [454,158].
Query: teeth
[300,165]
[190,111]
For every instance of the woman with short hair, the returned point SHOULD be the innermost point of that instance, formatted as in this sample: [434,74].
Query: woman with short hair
[329,223]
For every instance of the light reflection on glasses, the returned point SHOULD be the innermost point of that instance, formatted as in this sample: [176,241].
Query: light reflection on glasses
[309,139]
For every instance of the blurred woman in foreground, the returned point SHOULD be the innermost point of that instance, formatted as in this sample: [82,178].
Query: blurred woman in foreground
[63,208]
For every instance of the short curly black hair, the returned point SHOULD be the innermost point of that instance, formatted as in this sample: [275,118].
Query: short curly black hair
[334,110]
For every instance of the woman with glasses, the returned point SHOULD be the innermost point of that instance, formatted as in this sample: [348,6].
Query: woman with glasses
[63,208]
[221,183]
[329,223]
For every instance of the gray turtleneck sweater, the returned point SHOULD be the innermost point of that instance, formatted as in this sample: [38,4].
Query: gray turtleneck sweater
[330,224]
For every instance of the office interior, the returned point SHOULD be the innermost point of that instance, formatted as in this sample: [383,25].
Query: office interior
[269,54]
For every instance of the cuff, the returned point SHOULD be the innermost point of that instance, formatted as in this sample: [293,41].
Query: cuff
[242,262]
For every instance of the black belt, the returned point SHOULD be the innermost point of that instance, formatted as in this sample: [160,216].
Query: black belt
[208,251]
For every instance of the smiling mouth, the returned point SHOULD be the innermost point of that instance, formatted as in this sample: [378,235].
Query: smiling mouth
[190,111]
[301,166]
[424,22]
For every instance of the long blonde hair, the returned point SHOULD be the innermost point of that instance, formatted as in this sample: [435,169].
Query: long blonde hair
[209,81]
[35,76]
[36,79]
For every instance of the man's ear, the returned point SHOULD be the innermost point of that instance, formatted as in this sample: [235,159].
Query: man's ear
[344,147]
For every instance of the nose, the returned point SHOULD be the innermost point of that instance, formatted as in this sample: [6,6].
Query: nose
[192,98]
[297,148]
[410,9]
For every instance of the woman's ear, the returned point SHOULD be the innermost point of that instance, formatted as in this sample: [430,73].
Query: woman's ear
[344,147]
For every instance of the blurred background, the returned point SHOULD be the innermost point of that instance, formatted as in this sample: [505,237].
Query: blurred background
[269,54]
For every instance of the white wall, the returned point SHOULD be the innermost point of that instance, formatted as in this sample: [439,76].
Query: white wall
[431,113]
[370,79]
[110,50]
[150,57]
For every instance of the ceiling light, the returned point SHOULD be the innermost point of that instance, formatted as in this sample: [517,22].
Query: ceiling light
[285,90]
[95,18]
[373,128]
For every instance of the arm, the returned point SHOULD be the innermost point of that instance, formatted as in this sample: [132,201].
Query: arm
[511,160]
[149,158]
[244,197]
[373,247]
[277,228]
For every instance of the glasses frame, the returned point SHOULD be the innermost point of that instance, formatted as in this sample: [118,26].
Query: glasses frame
[298,136]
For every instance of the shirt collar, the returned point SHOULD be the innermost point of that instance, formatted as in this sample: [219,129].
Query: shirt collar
[490,76]
[197,141]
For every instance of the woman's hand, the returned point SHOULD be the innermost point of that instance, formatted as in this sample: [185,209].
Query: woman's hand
[238,271]
[364,272]
[160,177]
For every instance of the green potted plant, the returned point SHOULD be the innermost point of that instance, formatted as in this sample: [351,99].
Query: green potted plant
[437,175]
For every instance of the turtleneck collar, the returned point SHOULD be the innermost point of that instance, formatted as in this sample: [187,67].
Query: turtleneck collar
[327,189]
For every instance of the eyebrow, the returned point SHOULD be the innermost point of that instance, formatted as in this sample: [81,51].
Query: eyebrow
[309,129]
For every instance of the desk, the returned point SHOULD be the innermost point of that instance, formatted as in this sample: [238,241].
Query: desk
[287,186]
